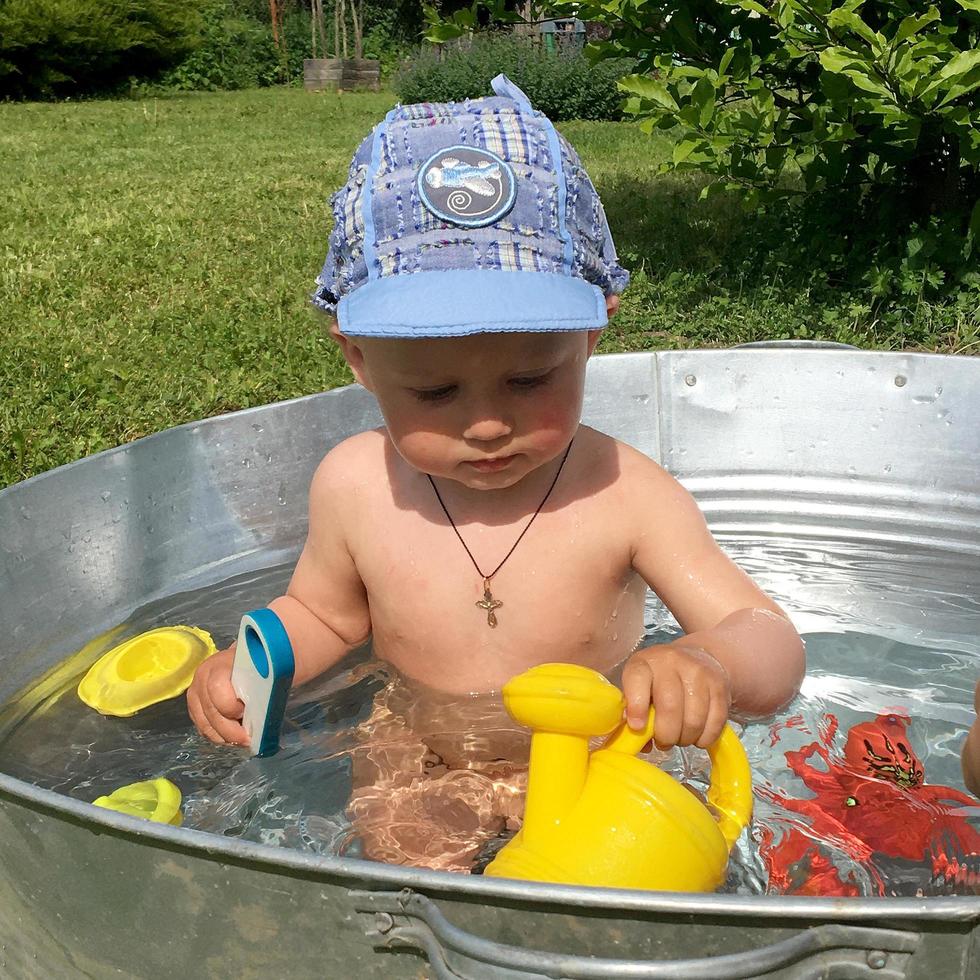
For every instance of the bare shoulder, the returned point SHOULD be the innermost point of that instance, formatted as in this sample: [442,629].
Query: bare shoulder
[355,461]
[348,478]
[636,473]
[648,495]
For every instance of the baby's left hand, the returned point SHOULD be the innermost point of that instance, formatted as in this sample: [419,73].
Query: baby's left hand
[688,688]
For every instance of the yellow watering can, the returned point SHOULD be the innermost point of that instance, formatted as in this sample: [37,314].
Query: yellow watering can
[610,818]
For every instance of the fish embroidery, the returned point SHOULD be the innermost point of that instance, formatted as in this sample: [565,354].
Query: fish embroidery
[466,185]
[476,178]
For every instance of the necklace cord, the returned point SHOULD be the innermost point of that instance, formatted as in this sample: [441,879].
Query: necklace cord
[527,526]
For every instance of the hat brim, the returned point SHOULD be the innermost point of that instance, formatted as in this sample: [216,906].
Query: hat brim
[460,302]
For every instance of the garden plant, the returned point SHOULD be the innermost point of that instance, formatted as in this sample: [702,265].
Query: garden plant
[868,111]
[780,171]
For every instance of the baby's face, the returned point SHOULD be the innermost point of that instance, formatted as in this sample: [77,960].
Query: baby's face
[484,410]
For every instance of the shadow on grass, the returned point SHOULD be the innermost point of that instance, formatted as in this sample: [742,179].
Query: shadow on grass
[664,226]
[706,272]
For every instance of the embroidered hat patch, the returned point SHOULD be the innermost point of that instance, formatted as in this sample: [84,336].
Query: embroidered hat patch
[467,186]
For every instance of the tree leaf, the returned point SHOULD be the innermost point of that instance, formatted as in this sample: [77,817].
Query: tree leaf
[443,32]
[648,88]
[703,97]
[752,6]
[911,26]
[726,58]
[955,68]
[683,150]
[968,83]
[849,20]
[837,60]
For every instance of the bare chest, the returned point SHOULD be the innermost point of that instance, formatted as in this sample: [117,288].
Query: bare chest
[566,592]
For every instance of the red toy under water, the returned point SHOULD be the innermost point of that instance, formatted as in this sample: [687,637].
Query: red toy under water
[872,805]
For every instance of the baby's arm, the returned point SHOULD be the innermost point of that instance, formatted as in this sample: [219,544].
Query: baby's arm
[740,650]
[325,612]
[971,751]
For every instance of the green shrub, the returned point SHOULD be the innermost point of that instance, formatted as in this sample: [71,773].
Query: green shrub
[562,85]
[51,48]
[857,119]
[236,51]
[386,36]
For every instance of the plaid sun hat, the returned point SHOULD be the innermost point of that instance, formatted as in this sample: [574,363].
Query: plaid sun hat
[463,218]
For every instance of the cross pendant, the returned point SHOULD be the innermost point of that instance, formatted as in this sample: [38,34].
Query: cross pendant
[489,604]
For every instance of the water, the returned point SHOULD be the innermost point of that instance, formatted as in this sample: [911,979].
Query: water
[373,766]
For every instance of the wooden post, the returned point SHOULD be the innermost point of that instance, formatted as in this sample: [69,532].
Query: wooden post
[358,36]
[341,10]
[278,38]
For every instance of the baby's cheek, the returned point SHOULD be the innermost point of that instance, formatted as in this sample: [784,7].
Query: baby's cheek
[426,451]
[554,423]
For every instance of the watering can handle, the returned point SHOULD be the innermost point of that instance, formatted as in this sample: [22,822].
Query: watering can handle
[730,790]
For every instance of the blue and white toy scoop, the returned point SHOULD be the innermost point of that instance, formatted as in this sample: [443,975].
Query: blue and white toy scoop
[262,675]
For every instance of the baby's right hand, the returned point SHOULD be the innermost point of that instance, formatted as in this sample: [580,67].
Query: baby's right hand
[212,703]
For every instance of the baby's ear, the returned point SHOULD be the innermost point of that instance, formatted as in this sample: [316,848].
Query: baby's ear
[353,354]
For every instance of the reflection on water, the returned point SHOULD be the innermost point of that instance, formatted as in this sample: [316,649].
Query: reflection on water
[373,765]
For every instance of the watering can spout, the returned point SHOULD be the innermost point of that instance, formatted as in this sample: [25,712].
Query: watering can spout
[610,818]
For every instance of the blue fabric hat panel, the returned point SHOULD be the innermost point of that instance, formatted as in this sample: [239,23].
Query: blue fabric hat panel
[426,147]
[460,192]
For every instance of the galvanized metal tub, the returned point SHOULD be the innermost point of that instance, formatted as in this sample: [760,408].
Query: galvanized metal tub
[856,452]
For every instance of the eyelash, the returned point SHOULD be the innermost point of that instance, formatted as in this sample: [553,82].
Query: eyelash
[532,382]
[435,394]
[441,394]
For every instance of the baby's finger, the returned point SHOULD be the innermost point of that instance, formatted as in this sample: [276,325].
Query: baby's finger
[222,695]
[637,682]
[669,707]
[715,720]
[697,704]
[196,710]
[227,729]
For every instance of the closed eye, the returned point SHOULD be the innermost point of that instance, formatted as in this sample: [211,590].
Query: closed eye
[434,394]
[533,381]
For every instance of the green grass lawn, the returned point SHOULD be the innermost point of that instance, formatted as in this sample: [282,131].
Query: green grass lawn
[158,257]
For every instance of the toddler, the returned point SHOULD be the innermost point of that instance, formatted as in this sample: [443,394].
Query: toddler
[970,756]
[483,529]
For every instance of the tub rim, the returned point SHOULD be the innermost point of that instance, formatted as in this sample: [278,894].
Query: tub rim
[209,846]
[203,844]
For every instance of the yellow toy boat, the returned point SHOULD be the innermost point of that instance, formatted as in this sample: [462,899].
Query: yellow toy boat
[612,819]
[148,668]
[154,799]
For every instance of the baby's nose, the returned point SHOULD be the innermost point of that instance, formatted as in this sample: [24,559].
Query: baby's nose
[488,428]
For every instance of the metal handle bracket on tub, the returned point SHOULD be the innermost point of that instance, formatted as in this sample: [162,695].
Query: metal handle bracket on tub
[408,919]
